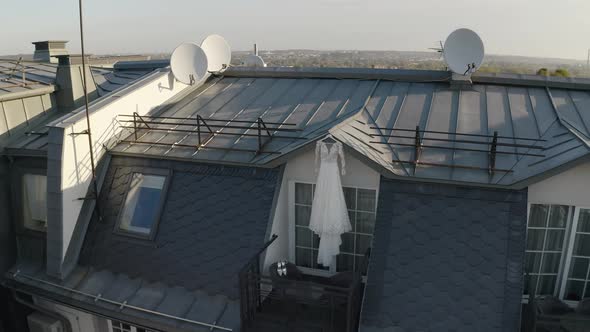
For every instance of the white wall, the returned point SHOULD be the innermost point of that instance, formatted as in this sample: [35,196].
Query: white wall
[80,321]
[568,188]
[141,97]
[302,169]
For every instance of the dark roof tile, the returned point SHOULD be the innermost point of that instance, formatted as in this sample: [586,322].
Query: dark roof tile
[214,219]
[463,276]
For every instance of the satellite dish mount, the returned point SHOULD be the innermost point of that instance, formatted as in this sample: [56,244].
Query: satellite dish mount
[463,52]
[189,63]
[218,53]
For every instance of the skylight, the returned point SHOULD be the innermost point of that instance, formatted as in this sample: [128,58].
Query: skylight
[143,204]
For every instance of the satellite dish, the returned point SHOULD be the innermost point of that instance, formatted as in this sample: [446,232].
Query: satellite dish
[463,51]
[189,63]
[218,53]
[253,60]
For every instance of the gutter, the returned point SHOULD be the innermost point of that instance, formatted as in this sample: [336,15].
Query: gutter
[28,93]
[64,321]
[121,305]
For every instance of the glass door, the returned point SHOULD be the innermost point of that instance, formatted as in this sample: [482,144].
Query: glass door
[577,283]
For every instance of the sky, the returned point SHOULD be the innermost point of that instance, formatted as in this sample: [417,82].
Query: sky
[541,28]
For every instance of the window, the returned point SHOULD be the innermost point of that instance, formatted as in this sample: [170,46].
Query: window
[558,252]
[578,278]
[143,203]
[546,233]
[34,198]
[116,326]
[361,203]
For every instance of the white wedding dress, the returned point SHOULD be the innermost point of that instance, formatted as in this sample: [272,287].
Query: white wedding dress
[329,214]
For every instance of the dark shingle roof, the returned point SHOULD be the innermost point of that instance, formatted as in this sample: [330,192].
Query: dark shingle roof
[214,219]
[445,258]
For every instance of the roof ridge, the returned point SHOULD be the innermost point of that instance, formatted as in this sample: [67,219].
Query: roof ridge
[358,114]
[571,128]
[409,75]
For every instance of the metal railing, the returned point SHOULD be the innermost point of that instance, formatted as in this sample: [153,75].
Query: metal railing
[488,144]
[14,74]
[284,303]
[206,129]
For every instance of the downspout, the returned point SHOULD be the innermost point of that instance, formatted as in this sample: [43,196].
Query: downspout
[64,321]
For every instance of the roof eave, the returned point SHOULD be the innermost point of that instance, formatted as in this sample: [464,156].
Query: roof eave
[88,307]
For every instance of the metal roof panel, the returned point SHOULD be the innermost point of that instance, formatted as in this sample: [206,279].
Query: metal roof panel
[356,109]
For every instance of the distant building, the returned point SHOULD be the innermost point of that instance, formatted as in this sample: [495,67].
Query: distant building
[203,189]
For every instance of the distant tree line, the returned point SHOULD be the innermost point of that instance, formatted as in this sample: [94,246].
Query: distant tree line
[405,60]
[560,72]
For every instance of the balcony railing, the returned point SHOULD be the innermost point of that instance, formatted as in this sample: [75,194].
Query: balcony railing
[308,303]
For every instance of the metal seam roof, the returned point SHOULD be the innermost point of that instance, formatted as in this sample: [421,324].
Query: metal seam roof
[520,161]
[342,105]
[29,108]
[411,75]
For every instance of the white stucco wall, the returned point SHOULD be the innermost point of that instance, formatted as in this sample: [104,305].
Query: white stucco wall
[571,187]
[302,169]
[141,97]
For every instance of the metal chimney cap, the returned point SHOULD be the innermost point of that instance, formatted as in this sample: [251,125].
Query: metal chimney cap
[63,59]
[50,44]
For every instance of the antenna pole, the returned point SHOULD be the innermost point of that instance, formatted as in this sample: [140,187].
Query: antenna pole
[255,49]
[92,165]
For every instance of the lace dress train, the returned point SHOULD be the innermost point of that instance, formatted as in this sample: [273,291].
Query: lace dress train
[329,214]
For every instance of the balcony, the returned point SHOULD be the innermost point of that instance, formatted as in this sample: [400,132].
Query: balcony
[294,301]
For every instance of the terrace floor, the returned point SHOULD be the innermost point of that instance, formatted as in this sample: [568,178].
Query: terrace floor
[276,315]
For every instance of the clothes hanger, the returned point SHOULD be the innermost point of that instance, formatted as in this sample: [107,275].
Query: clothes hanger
[329,139]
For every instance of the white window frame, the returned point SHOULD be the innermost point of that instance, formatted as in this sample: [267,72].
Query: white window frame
[133,328]
[569,254]
[138,232]
[567,251]
[28,222]
[292,228]
[561,273]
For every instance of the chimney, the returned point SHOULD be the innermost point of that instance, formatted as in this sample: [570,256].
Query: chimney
[46,50]
[69,79]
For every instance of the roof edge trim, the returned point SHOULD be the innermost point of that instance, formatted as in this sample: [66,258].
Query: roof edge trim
[16,284]
[106,99]
[408,75]
[28,93]
[405,75]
